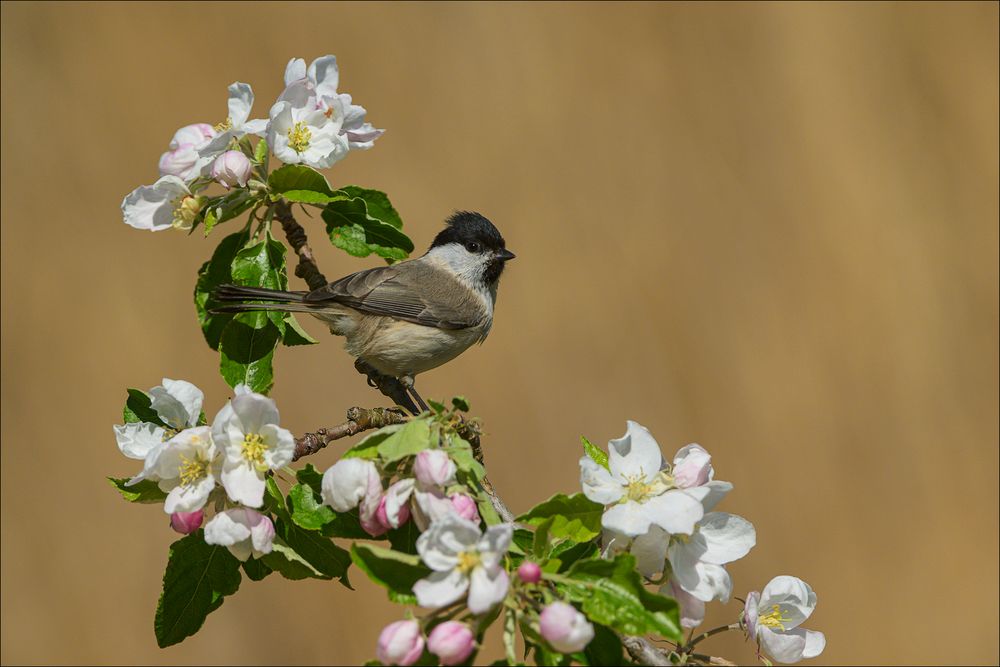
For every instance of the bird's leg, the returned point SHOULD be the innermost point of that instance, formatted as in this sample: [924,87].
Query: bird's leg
[407,382]
[388,385]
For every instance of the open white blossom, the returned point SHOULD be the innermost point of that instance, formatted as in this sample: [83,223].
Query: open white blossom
[323,77]
[463,560]
[236,125]
[247,432]
[245,532]
[642,492]
[773,616]
[182,155]
[302,130]
[166,203]
[186,467]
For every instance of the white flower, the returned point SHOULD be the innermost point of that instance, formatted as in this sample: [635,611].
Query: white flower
[247,432]
[305,130]
[463,559]
[351,483]
[164,204]
[177,403]
[639,492]
[186,467]
[322,77]
[183,154]
[772,618]
[245,532]
[692,609]
[235,126]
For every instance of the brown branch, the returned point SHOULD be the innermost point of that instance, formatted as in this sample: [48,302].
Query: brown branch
[642,651]
[358,420]
[306,268]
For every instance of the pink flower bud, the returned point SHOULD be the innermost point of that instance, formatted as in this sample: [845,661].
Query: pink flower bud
[452,642]
[400,643]
[465,507]
[186,523]
[433,467]
[231,167]
[692,467]
[371,521]
[529,573]
[382,515]
[564,628]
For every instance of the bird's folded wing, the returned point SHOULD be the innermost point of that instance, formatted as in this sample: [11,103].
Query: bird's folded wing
[408,291]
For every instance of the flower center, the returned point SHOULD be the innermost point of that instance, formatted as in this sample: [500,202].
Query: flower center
[774,618]
[253,449]
[329,113]
[224,125]
[167,434]
[467,561]
[299,136]
[639,491]
[186,210]
[192,470]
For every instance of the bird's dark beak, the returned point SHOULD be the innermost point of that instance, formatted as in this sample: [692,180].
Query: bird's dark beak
[505,255]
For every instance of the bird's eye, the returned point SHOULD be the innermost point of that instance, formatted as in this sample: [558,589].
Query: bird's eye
[472,246]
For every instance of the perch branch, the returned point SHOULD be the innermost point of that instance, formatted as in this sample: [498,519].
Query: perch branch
[643,652]
[306,268]
[358,420]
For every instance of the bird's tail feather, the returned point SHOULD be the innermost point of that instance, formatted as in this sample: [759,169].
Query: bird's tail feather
[234,298]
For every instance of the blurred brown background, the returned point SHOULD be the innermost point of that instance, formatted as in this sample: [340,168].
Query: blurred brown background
[770,229]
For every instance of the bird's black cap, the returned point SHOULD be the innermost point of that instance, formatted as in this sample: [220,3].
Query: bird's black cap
[466,227]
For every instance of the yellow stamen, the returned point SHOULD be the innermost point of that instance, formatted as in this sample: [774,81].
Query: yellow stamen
[186,210]
[299,136]
[192,470]
[329,113]
[253,449]
[224,125]
[774,618]
[467,561]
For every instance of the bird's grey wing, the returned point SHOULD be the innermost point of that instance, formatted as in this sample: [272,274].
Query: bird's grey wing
[407,291]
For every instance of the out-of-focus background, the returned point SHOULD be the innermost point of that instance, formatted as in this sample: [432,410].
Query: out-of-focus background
[767,228]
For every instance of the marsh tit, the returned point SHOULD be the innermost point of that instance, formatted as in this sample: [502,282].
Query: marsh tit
[409,317]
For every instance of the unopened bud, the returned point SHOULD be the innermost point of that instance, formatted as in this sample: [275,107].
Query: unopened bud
[529,572]
[186,523]
[452,642]
[230,168]
[400,643]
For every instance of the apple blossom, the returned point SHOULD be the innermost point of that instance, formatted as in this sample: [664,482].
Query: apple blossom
[351,483]
[697,561]
[186,523]
[394,510]
[231,168]
[463,560]
[246,430]
[177,403]
[564,628]
[400,643]
[638,492]
[529,572]
[164,204]
[185,466]
[300,131]
[434,467]
[452,642]
[245,532]
[692,610]
[180,160]
[772,618]
[235,126]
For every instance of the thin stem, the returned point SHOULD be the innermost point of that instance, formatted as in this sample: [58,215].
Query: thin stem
[705,635]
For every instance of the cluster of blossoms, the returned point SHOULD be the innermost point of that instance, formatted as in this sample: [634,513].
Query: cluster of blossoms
[194,463]
[662,513]
[311,123]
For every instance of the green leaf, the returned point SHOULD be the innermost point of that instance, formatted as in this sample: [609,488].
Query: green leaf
[260,151]
[459,403]
[605,648]
[404,538]
[368,447]
[460,452]
[566,554]
[246,355]
[295,334]
[146,491]
[307,511]
[612,593]
[262,265]
[598,455]
[407,441]
[284,560]
[353,230]
[576,517]
[299,183]
[256,569]
[340,524]
[274,501]
[227,207]
[319,551]
[197,578]
[139,408]
[377,203]
[217,271]
[540,543]
[438,408]
[394,571]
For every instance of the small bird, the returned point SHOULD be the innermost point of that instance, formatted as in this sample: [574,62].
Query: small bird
[409,317]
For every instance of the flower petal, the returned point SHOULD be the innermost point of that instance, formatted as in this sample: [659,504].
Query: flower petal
[650,551]
[137,439]
[189,497]
[794,597]
[675,511]
[494,544]
[728,537]
[240,103]
[440,545]
[324,72]
[815,643]
[226,528]
[709,494]
[635,454]
[243,484]
[692,609]
[295,70]
[787,647]
[151,207]
[280,446]
[440,589]
[487,590]
[597,482]
[346,482]
[253,411]
[626,518]
[692,466]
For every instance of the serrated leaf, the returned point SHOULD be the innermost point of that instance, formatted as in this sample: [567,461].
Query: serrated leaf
[597,455]
[353,230]
[368,447]
[197,579]
[247,354]
[377,203]
[217,271]
[414,437]
[139,408]
[576,517]
[612,594]
[394,571]
[147,491]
